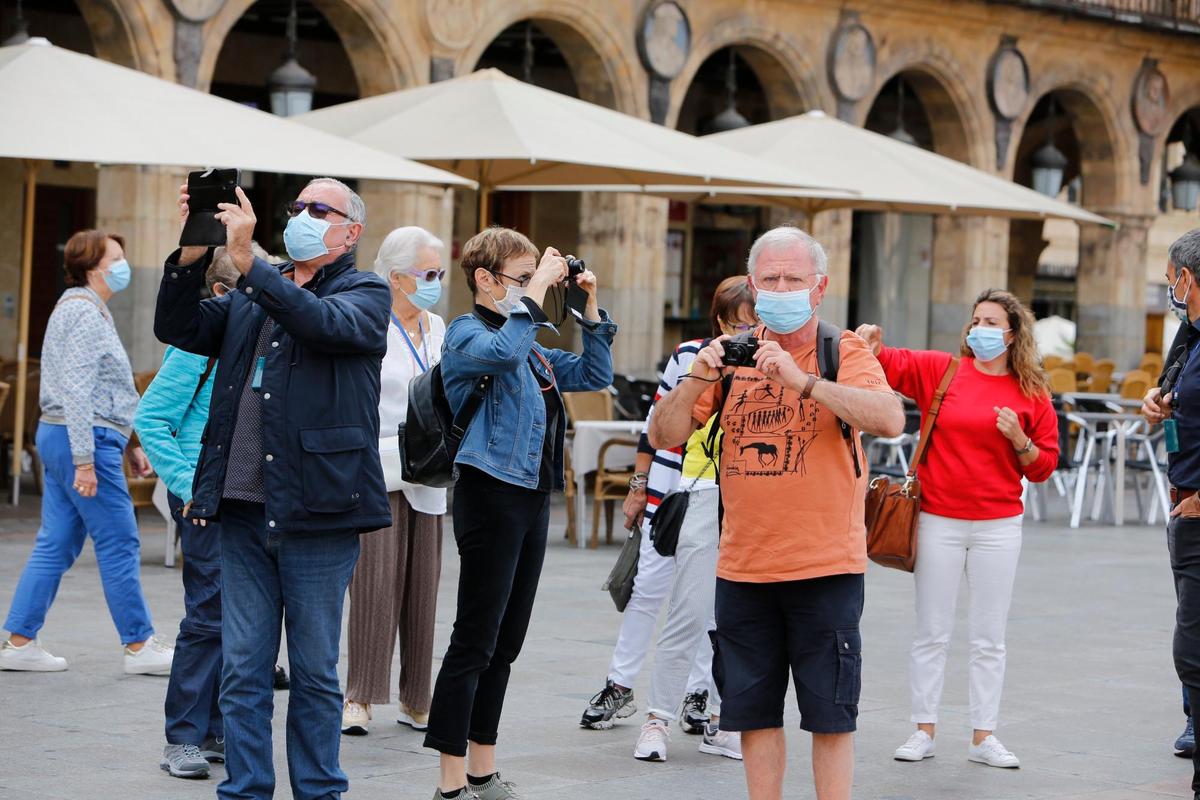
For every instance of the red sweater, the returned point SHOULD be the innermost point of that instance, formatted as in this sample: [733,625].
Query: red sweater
[971,471]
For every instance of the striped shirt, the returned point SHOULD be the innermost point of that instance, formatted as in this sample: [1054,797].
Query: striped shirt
[667,463]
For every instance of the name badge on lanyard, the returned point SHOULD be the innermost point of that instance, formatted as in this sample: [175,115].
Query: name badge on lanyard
[421,364]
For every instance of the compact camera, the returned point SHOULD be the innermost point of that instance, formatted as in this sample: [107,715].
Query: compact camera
[740,350]
[575,268]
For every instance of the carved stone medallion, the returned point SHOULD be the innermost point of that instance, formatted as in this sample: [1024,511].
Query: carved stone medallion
[196,10]
[664,39]
[1150,96]
[852,61]
[1008,81]
[452,23]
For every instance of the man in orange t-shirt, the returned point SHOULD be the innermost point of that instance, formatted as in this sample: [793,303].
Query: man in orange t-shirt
[793,544]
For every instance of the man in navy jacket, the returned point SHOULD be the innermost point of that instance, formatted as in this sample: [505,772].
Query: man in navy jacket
[289,466]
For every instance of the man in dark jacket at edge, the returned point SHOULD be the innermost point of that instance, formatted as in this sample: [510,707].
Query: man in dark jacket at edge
[288,465]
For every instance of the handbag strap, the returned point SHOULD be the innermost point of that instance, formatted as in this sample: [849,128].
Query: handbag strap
[931,417]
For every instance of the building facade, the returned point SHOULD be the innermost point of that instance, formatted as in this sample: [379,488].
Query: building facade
[1114,85]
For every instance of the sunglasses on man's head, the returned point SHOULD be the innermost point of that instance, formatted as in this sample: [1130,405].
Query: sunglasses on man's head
[428,275]
[315,210]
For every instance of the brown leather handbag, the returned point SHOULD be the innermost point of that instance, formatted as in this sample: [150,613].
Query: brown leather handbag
[892,507]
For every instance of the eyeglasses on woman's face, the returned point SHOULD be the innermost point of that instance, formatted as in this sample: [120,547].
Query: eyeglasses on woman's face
[315,210]
[519,280]
[427,275]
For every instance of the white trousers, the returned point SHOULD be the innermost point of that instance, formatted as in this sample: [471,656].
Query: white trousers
[650,588]
[987,550]
[690,613]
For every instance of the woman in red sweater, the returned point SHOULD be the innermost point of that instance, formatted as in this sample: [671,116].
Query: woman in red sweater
[996,426]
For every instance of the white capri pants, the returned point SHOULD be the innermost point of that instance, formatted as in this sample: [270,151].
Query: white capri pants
[650,588]
[988,551]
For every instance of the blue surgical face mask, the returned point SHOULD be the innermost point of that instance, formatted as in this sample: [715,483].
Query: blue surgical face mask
[118,275]
[304,237]
[1178,307]
[987,343]
[784,312]
[426,295]
[512,298]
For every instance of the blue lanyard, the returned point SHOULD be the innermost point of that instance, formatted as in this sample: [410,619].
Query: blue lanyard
[408,341]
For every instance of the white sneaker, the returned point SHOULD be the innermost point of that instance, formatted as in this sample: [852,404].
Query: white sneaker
[918,748]
[992,753]
[154,658]
[355,717]
[417,720]
[29,657]
[717,742]
[652,741]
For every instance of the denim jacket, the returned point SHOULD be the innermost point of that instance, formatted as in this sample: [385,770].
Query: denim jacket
[505,437]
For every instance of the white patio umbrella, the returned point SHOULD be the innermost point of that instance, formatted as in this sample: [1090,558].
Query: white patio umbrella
[882,174]
[507,134]
[64,106]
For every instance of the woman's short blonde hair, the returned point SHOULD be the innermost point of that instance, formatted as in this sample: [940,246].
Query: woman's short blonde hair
[490,248]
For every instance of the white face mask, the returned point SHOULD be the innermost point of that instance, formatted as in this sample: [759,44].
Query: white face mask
[512,297]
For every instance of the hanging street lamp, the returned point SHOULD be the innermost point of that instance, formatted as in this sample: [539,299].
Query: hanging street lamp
[1049,164]
[291,85]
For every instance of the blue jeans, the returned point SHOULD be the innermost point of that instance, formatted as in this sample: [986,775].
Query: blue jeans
[299,580]
[68,519]
[191,710]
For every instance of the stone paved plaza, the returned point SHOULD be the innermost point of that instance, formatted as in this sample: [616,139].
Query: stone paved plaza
[1091,703]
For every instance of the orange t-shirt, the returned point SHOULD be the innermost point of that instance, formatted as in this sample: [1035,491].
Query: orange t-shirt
[793,507]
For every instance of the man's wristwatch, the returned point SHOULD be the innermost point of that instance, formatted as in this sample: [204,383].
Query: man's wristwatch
[1027,448]
[637,482]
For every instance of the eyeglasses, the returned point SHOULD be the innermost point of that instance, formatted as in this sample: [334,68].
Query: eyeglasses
[744,327]
[315,210]
[785,283]
[428,275]
[520,281]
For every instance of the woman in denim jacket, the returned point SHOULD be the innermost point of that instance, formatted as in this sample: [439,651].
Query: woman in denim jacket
[511,459]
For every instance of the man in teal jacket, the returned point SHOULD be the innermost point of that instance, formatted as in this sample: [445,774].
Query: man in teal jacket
[170,422]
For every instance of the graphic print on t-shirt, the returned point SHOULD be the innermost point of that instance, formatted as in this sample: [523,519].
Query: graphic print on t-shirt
[764,436]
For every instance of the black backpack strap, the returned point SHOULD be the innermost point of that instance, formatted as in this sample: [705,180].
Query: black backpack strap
[458,428]
[829,357]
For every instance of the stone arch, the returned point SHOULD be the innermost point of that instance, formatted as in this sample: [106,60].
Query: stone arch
[784,70]
[954,114]
[1108,159]
[602,69]
[384,56]
[132,34]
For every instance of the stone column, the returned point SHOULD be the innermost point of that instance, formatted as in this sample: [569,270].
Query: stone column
[623,238]
[1111,288]
[970,254]
[832,230]
[140,203]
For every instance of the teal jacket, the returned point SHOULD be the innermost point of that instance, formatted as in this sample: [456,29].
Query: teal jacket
[171,416]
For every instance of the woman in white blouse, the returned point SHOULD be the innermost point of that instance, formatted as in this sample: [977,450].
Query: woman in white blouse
[395,584]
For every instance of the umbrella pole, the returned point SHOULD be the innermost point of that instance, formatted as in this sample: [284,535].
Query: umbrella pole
[31,168]
[483,207]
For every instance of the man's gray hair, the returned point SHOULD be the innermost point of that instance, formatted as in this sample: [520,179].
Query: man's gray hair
[786,237]
[399,250]
[1185,252]
[357,210]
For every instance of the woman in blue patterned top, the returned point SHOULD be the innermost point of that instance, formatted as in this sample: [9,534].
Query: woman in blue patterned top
[87,400]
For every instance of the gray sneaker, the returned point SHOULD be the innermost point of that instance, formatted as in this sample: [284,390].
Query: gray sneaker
[213,750]
[611,702]
[495,789]
[467,793]
[184,761]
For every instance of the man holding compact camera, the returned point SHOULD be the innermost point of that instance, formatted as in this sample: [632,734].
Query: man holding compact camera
[288,466]
[793,486]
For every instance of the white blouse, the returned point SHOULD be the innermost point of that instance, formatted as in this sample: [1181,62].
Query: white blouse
[400,366]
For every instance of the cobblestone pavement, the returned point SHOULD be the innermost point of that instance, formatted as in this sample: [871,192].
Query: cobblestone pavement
[1091,704]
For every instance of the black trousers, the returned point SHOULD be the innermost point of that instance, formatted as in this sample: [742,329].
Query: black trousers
[500,530]
[1183,543]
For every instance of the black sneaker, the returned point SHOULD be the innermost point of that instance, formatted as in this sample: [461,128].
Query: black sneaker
[213,750]
[695,714]
[610,702]
[282,681]
[1185,745]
